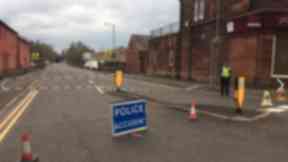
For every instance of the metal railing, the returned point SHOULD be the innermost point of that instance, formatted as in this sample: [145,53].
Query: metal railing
[165,30]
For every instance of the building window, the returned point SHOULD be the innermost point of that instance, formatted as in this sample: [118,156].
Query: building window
[202,9]
[196,10]
[199,10]
[279,56]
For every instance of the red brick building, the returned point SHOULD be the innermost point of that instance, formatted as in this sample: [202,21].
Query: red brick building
[14,51]
[24,53]
[137,54]
[250,35]
[162,51]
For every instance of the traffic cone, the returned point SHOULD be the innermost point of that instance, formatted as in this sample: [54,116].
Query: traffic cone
[193,112]
[281,94]
[136,135]
[267,100]
[27,155]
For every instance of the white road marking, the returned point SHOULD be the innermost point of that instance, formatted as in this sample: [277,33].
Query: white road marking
[79,87]
[3,86]
[55,88]
[67,87]
[278,109]
[100,90]
[67,77]
[19,88]
[91,82]
[266,112]
[236,118]
[44,87]
[193,87]
[283,107]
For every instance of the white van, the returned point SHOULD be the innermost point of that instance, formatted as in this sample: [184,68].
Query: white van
[92,65]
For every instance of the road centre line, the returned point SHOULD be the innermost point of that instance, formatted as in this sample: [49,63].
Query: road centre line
[12,101]
[14,111]
[17,116]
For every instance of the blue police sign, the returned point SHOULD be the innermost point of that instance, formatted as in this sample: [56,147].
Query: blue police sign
[128,117]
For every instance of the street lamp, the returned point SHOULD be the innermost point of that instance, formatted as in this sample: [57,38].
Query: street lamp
[113,35]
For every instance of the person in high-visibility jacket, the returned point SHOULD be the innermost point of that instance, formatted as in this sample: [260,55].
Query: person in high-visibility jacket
[225,80]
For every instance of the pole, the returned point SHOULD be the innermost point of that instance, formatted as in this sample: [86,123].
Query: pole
[214,67]
[114,39]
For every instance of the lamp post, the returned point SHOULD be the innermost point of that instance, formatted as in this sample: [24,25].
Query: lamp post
[113,36]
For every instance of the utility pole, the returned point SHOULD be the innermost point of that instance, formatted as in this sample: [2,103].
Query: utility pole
[179,42]
[216,46]
[113,37]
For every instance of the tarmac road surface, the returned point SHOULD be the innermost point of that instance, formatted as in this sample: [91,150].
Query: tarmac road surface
[70,121]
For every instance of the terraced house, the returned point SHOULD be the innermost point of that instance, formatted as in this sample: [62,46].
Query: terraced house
[14,51]
[249,35]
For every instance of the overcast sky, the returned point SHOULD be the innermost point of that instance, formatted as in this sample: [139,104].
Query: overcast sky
[59,22]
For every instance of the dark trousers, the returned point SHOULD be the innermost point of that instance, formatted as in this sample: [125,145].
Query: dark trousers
[225,86]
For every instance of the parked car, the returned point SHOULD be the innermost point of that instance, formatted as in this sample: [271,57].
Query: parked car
[92,65]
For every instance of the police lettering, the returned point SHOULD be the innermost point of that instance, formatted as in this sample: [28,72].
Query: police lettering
[124,111]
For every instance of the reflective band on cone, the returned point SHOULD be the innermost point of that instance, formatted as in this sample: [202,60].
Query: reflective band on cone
[193,112]
[281,94]
[27,152]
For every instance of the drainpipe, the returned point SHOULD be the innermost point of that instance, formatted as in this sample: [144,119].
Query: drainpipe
[216,46]
[179,43]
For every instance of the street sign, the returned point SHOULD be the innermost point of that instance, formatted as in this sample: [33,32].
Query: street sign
[35,56]
[128,117]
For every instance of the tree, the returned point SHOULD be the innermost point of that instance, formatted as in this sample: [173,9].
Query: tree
[73,55]
[46,51]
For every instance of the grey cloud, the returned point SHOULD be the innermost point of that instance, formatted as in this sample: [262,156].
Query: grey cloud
[60,22]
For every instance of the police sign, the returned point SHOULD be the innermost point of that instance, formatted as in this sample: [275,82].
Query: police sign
[128,117]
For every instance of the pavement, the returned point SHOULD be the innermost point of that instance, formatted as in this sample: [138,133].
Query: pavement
[180,94]
[68,115]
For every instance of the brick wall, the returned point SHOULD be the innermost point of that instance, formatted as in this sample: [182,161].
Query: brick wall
[162,53]
[24,54]
[137,54]
[9,50]
[278,4]
[14,51]
[133,61]
[242,55]
[248,53]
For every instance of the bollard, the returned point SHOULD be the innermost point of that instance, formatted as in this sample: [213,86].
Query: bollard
[239,94]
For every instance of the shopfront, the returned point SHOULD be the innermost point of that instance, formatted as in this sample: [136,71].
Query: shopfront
[257,45]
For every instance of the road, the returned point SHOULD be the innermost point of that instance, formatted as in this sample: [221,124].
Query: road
[70,121]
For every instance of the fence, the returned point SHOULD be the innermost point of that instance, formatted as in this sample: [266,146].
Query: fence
[165,30]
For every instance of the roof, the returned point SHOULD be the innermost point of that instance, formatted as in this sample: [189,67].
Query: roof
[24,40]
[140,41]
[7,27]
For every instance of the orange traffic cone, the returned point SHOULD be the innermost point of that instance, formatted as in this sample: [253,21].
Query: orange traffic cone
[27,155]
[281,94]
[193,112]
[136,135]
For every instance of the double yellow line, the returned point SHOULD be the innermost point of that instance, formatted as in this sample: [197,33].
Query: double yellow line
[11,119]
